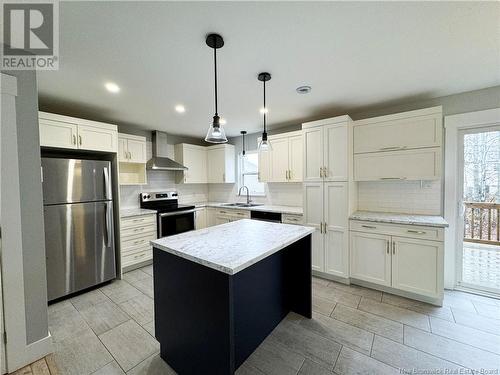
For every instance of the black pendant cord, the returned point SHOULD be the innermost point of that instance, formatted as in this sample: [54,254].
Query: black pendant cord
[215,75]
[265,109]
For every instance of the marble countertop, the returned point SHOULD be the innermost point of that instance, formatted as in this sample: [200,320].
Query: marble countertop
[397,218]
[234,246]
[127,212]
[294,210]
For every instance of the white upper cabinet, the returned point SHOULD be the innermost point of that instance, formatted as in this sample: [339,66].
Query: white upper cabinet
[313,154]
[415,129]
[58,134]
[195,159]
[131,148]
[404,146]
[418,164]
[74,133]
[327,149]
[296,158]
[284,163]
[279,160]
[221,164]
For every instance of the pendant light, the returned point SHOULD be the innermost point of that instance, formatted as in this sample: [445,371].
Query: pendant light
[264,145]
[243,132]
[216,133]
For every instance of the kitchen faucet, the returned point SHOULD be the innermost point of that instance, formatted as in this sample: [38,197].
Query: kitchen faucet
[248,193]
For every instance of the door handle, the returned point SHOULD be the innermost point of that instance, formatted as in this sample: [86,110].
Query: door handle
[394,247]
[388,247]
[80,139]
[106,223]
[106,182]
[320,171]
[368,226]
[74,139]
[325,172]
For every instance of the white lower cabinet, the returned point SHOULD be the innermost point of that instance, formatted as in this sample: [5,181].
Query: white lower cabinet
[200,218]
[417,266]
[136,232]
[326,208]
[401,262]
[371,258]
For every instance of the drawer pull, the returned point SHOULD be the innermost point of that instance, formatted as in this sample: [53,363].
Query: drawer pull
[138,229]
[369,226]
[416,231]
[393,178]
[138,242]
[137,220]
[392,148]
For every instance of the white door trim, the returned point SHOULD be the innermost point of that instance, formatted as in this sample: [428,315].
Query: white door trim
[453,124]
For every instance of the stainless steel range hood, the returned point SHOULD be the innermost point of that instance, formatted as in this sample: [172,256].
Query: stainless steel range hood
[160,160]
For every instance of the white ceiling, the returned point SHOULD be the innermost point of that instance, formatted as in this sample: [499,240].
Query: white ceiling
[353,54]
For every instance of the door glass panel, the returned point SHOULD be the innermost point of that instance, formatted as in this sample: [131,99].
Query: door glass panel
[481,211]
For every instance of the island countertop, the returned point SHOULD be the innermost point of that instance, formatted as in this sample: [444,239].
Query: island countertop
[233,246]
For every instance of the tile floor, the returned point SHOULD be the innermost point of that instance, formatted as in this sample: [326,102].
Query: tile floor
[354,330]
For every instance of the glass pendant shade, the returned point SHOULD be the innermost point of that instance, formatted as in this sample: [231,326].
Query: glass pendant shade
[265,145]
[216,133]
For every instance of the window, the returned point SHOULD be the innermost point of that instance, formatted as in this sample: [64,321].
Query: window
[249,173]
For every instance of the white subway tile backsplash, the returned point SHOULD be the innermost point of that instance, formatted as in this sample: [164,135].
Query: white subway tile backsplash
[410,197]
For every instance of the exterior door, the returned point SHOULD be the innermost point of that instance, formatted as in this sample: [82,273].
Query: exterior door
[371,257]
[313,217]
[478,242]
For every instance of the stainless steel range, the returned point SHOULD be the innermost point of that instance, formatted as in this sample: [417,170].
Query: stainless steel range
[173,218]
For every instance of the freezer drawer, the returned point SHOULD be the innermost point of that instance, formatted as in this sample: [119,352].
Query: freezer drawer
[75,180]
[80,247]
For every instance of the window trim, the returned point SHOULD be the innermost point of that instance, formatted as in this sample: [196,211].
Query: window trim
[241,174]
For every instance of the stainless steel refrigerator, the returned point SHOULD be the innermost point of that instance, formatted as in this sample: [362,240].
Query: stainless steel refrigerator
[79,235]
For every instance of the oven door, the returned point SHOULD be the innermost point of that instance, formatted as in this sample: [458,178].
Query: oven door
[170,223]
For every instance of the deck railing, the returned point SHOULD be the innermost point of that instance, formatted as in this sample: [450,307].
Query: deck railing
[482,223]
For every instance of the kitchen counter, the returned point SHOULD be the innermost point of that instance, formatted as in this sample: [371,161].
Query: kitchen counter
[127,212]
[234,246]
[220,291]
[397,218]
[293,210]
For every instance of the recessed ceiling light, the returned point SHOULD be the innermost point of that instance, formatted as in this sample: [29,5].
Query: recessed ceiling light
[263,110]
[180,108]
[222,121]
[303,89]
[112,87]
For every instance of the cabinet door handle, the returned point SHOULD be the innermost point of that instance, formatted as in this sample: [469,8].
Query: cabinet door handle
[392,148]
[74,139]
[80,139]
[416,231]
[368,226]
[325,172]
[388,246]
[320,172]
[394,247]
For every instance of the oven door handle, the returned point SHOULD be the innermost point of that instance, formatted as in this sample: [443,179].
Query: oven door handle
[176,213]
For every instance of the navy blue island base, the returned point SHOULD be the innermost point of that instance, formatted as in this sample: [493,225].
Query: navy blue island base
[209,322]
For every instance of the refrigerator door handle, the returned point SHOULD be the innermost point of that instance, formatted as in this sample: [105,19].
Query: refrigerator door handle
[106,182]
[106,224]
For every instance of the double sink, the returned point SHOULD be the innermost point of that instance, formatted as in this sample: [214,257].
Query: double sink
[241,204]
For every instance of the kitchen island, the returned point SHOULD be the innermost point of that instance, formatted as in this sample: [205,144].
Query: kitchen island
[220,291]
